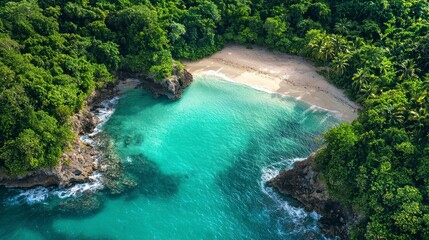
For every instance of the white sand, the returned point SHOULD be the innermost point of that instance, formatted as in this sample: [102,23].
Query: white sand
[277,73]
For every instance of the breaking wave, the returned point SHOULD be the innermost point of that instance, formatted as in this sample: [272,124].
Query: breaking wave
[296,214]
[42,194]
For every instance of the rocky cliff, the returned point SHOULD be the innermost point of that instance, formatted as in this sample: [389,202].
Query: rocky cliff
[171,87]
[77,163]
[304,183]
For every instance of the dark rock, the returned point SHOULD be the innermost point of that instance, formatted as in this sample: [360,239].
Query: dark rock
[34,178]
[304,183]
[77,172]
[77,164]
[171,87]
[80,159]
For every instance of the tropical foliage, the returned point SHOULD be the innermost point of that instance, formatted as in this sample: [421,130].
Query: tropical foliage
[54,53]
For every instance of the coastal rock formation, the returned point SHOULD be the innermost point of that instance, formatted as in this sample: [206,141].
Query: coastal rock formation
[304,183]
[171,87]
[76,164]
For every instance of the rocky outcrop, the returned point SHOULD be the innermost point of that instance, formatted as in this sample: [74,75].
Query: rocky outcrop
[176,84]
[76,164]
[304,183]
[171,87]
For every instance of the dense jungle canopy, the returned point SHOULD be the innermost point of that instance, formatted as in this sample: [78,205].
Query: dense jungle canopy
[54,53]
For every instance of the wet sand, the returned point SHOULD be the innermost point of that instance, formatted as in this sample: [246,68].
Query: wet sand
[276,73]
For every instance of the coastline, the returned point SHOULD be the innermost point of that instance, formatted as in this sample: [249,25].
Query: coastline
[276,72]
[80,160]
[291,76]
[305,183]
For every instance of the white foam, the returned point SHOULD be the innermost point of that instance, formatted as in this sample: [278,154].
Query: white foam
[314,215]
[217,74]
[91,186]
[312,108]
[324,119]
[223,77]
[31,196]
[296,214]
[104,113]
[128,159]
[268,174]
[41,194]
[87,139]
[104,166]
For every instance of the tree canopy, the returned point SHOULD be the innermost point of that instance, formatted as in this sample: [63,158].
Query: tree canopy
[54,53]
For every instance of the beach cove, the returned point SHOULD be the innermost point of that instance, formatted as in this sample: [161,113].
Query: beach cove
[276,72]
[196,167]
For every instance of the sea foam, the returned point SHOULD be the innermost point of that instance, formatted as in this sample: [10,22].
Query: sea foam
[42,194]
[103,113]
[297,214]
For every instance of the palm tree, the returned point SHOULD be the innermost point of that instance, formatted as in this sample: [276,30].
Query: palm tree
[339,44]
[407,70]
[339,64]
[316,45]
[397,116]
[386,71]
[361,79]
[420,116]
[343,26]
[370,91]
[420,119]
[327,50]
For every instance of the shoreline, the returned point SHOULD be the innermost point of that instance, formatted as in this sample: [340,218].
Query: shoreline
[78,161]
[277,73]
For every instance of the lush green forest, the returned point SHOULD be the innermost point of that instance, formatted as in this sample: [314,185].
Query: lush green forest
[54,53]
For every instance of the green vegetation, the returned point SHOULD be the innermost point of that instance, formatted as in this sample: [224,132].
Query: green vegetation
[54,53]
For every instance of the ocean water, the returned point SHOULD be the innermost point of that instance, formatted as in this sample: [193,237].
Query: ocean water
[198,167]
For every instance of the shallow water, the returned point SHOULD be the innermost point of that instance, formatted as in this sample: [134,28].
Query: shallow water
[201,164]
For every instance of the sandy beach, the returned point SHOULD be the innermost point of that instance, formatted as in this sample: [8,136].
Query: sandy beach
[277,73]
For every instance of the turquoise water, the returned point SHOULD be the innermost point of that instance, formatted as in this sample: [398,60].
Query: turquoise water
[200,164]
